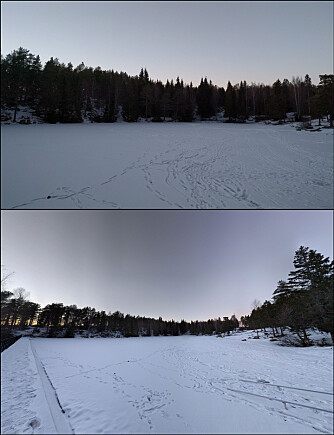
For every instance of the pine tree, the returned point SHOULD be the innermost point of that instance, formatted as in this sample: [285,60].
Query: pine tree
[130,106]
[50,91]
[230,104]
[204,100]
[282,290]
[241,105]
[166,101]
[317,108]
[312,290]
[308,92]
[326,87]
[19,77]
[310,269]
[277,108]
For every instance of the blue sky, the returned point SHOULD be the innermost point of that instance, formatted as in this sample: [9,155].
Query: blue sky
[174,264]
[252,41]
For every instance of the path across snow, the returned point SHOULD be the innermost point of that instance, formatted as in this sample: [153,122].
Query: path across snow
[183,384]
[169,165]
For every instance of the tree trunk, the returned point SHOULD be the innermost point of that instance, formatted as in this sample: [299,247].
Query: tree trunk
[304,338]
[15,111]
[86,102]
[301,339]
[116,102]
[254,104]
[7,320]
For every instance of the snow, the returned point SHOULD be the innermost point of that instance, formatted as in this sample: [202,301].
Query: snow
[184,384]
[23,405]
[24,115]
[166,165]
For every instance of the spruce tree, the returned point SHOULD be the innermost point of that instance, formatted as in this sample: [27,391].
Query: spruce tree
[230,104]
[326,88]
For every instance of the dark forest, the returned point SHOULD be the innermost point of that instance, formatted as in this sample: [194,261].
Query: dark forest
[62,93]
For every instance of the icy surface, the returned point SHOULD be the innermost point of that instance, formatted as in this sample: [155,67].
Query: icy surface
[169,165]
[183,384]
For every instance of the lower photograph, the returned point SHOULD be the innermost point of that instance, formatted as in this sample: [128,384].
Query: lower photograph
[148,321]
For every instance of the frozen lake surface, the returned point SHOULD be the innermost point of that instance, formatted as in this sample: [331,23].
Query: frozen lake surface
[169,165]
[183,384]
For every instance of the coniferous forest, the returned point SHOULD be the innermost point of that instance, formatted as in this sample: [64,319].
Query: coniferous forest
[304,301]
[62,93]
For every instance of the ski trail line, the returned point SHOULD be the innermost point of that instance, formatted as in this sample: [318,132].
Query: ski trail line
[284,386]
[280,400]
[60,421]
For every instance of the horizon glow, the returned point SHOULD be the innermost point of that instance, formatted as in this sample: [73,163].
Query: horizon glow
[191,265]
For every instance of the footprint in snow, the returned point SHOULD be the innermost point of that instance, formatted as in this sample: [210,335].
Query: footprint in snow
[35,423]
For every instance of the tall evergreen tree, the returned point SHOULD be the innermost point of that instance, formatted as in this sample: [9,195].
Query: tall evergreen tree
[230,104]
[326,87]
[205,102]
[19,77]
[130,106]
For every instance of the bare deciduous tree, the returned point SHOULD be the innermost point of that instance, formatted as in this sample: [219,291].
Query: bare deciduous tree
[5,277]
[256,304]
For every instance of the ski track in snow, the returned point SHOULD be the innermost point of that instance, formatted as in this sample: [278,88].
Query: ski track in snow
[172,384]
[168,166]
[60,421]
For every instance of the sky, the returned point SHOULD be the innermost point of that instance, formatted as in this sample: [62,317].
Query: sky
[253,41]
[191,265]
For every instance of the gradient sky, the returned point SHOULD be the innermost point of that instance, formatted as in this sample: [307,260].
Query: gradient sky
[174,264]
[252,41]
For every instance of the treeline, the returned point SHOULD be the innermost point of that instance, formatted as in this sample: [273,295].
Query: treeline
[304,301]
[62,93]
[66,320]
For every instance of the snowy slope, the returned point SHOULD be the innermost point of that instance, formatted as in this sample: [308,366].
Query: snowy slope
[183,384]
[169,165]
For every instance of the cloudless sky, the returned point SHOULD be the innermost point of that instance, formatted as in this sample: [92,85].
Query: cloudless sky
[194,265]
[252,41]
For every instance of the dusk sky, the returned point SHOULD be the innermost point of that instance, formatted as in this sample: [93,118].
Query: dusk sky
[174,264]
[252,41]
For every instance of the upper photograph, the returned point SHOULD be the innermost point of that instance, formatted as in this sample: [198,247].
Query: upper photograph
[167,105]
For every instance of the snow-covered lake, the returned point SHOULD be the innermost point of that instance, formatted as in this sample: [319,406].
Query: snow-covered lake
[169,165]
[183,384]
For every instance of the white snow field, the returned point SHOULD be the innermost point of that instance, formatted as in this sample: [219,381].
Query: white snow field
[168,165]
[183,384]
